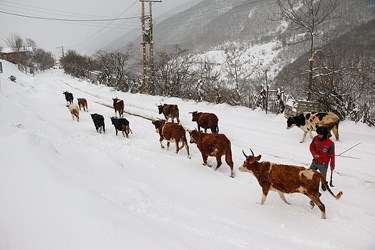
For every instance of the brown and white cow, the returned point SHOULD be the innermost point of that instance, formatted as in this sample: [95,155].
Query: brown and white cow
[169,111]
[286,179]
[74,110]
[82,103]
[206,120]
[118,105]
[215,145]
[310,121]
[170,131]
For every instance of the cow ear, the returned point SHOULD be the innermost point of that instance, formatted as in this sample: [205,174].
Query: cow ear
[258,157]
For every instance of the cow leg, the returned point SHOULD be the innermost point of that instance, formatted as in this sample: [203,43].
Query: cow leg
[304,135]
[205,159]
[335,132]
[177,147]
[264,195]
[318,202]
[228,160]
[161,143]
[116,131]
[282,196]
[218,161]
[187,149]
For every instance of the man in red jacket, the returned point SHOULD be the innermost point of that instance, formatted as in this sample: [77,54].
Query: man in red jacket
[323,151]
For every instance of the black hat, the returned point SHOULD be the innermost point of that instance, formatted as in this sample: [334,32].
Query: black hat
[322,131]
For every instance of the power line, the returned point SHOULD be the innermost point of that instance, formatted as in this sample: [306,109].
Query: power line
[70,20]
[99,31]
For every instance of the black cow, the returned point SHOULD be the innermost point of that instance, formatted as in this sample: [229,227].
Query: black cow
[121,124]
[98,122]
[68,97]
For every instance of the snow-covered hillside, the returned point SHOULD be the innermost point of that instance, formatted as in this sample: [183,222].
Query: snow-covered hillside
[64,186]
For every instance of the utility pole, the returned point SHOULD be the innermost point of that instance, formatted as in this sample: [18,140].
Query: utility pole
[147,38]
[267,89]
[62,51]
[144,63]
[151,45]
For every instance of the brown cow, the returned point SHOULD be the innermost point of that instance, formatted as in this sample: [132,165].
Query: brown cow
[82,103]
[206,120]
[213,145]
[118,105]
[169,111]
[171,132]
[287,179]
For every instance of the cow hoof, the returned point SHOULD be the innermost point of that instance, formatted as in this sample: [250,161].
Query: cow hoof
[312,205]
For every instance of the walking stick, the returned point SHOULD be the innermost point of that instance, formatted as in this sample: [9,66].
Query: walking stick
[330,180]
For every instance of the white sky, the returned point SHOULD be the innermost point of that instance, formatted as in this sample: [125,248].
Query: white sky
[64,186]
[83,37]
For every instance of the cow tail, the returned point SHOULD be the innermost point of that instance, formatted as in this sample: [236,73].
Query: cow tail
[217,128]
[325,183]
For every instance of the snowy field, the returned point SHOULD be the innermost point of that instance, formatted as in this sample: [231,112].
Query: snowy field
[64,186]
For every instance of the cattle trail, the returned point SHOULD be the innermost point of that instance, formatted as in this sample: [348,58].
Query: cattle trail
[109,106]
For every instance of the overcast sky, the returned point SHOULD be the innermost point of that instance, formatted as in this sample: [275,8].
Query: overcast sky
[34,19]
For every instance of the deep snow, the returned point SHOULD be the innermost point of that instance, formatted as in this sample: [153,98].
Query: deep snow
[64,186]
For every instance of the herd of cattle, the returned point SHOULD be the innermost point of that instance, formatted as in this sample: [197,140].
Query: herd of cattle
[270,176]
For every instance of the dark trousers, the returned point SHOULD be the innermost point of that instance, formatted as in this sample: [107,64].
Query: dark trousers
[322,167]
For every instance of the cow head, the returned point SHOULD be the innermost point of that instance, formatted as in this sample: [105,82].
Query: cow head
[113,119]
[195,116]
[158,124]
[298,120]
[194,136]
[249,162]
[160,108]
[290,122]
[115,100]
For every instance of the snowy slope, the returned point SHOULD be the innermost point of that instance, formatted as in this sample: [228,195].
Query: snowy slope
[64,186]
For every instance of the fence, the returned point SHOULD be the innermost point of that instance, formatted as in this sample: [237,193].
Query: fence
[297,107]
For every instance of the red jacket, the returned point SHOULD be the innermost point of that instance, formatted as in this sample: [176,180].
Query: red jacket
[324,149]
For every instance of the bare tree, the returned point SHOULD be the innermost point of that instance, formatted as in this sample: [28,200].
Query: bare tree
[173,70]
[15,42]
[30,43]
[307,15]
[238,73]
[115,67]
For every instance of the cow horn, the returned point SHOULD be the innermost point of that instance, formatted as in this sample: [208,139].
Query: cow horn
[251,151]
[244,153]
